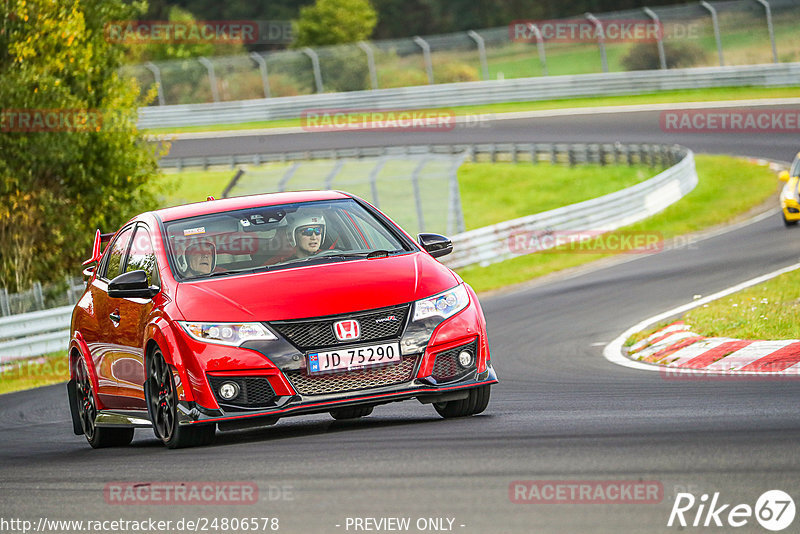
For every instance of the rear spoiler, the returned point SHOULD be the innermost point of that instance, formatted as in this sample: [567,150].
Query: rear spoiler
[97,249]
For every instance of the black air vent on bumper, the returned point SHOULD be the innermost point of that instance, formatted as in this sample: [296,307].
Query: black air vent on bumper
[254,392]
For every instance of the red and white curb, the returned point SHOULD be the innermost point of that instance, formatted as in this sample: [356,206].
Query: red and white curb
[677,349]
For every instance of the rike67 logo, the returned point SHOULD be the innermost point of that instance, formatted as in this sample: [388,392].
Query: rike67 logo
[774,510]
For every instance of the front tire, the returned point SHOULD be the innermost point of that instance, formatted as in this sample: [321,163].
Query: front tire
[475,403]
[98,437]
[787,222]
[162,404]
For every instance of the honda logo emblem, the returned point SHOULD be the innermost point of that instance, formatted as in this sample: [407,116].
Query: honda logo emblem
[347,330]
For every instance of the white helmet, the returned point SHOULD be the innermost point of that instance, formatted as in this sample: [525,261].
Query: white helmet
[197,248]
[300,219]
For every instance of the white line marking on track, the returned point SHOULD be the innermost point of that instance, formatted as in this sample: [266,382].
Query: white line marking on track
[613,351]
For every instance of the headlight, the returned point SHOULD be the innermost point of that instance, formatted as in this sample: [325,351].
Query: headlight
[444,304]
[233,334]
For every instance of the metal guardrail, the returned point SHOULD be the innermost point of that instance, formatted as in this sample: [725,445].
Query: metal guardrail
[40,332]
[492,244]
[35,333]
[310,155]
[473,93]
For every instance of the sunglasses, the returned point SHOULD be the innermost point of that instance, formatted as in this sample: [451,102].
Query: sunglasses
[311,230]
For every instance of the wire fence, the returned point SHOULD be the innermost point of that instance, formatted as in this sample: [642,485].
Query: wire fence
[41,297]
[737,32]
[419,192]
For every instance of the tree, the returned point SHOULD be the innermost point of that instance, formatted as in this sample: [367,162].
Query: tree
[332,22]
[160,51]
[77,161]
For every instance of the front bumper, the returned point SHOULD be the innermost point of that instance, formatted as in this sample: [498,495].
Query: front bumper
[194,413]
[272,379]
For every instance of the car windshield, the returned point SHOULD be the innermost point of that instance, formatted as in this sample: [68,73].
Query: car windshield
[795,169]
[277,237]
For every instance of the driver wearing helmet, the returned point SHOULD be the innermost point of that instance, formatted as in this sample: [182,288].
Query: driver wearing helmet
[306,234]
[201,258]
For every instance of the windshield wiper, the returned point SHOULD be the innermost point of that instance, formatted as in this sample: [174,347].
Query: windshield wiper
[365,254]
[237,271]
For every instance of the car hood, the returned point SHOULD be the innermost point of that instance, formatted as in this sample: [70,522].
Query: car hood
[315,290]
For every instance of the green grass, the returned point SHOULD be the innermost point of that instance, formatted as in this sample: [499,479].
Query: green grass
[33,373]
[728,187]
[662,97]
[183,187]
[770,310]
[496,192]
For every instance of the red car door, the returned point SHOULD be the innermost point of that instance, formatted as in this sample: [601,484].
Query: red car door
[128,367]
[100,338]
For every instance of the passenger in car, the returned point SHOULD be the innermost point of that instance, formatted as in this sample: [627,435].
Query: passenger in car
[201,257]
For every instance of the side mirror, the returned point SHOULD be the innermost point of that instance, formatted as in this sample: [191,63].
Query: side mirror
[436,245]
[88,273]
[783,176]
[132,285]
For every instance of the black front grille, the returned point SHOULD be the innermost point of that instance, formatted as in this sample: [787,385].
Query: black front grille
[254,392]
[376,325]
[373,377]
[447,368]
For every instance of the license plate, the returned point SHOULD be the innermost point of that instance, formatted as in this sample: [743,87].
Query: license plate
[353,358]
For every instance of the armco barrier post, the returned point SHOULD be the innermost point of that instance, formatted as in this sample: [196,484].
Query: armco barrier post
[768,12]
[288,176]
[315,66]
[157,77]
[373,180]
[715,22]
[601,39]
[417,195]
[455,214]
[212,78]
[481,53]
[5,309]
[38,297]
[373,73]
[331,175]
[262,66]
[426,53]
[662,58]
[540,47]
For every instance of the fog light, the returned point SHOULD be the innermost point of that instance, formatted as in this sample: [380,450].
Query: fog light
[465,358]
[229,390]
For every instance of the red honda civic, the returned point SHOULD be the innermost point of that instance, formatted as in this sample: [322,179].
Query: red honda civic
[234,313]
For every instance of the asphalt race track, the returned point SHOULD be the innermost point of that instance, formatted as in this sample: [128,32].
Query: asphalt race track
[561,411]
